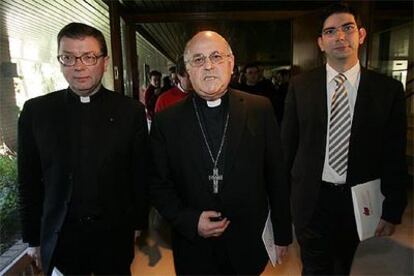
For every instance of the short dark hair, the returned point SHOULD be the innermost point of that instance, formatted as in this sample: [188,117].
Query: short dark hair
[79,30]
[337,8]
[180,65]
[172,69]
[166,81]
[284,72]
[251,65]
[154,73]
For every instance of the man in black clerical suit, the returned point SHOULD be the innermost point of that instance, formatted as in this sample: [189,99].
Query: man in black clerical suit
[218,169]
[343,125]
[81,166]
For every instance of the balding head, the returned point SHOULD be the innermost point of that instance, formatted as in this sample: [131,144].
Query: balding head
[209,63]
[206,35]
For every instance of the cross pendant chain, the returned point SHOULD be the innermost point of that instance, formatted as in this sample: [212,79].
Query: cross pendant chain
[215,177]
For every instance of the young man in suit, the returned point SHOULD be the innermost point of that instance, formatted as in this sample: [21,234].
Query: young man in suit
[343,125]
[218,169]
[81,166]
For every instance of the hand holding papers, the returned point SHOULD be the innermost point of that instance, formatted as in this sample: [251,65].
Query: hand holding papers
[367,200]
[384,228]
[281,252]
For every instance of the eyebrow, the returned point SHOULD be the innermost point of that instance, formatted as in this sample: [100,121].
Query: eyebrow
[71,53]
[201,54]
[345,24]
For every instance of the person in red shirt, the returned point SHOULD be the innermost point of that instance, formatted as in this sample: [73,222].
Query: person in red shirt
[177,93]
[152,93]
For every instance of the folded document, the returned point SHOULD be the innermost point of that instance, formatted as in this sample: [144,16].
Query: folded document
[269,241]
[367,199]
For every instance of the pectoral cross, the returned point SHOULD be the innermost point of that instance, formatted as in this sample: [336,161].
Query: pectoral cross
[215,177]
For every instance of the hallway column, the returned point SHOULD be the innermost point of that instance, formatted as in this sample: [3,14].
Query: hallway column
[114,19]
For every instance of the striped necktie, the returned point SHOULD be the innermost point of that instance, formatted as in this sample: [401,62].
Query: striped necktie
[339,127]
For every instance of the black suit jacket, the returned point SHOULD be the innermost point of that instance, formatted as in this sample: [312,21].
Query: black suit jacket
[45,171]
[180,188]
[377,142]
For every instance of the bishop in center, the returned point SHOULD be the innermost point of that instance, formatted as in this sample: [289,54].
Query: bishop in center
[217,169]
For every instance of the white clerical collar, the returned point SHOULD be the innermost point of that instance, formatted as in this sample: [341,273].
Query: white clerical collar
[214,103]
[87,99]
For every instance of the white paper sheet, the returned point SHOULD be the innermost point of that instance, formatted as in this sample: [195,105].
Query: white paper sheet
[367,199]
[268,240]
[56,272]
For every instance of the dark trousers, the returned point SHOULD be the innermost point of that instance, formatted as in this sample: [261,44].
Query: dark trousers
[329,241]
[209,257]
[213,259]
[90,247]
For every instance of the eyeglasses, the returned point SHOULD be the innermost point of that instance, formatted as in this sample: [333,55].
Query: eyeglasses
[87,59]
[346,29]
[200,59]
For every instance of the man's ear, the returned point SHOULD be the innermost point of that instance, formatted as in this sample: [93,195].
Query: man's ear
[106,63]
[231,57]
[320,44]
[362,35]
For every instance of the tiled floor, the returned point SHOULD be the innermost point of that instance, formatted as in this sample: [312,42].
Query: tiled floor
[377,256]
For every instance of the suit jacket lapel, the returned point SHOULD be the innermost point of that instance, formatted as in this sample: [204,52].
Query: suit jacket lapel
[318,113]
[238,117]
[362,103]
[318,102]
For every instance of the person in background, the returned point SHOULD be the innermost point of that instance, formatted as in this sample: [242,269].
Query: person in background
[173,75]
[235,78]
[152,92]
[257,85]
[166,84]
[251,83]
[177,93]
[283,77]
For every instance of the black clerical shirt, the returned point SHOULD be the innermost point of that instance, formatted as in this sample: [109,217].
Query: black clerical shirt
[213,121]
[84,128]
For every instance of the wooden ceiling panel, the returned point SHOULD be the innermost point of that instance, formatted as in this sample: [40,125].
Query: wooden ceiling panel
[256,30]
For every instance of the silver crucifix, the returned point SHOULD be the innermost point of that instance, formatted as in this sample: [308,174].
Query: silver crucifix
[215,178]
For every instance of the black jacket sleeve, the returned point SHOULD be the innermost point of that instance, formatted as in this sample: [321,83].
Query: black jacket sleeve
[29,178]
